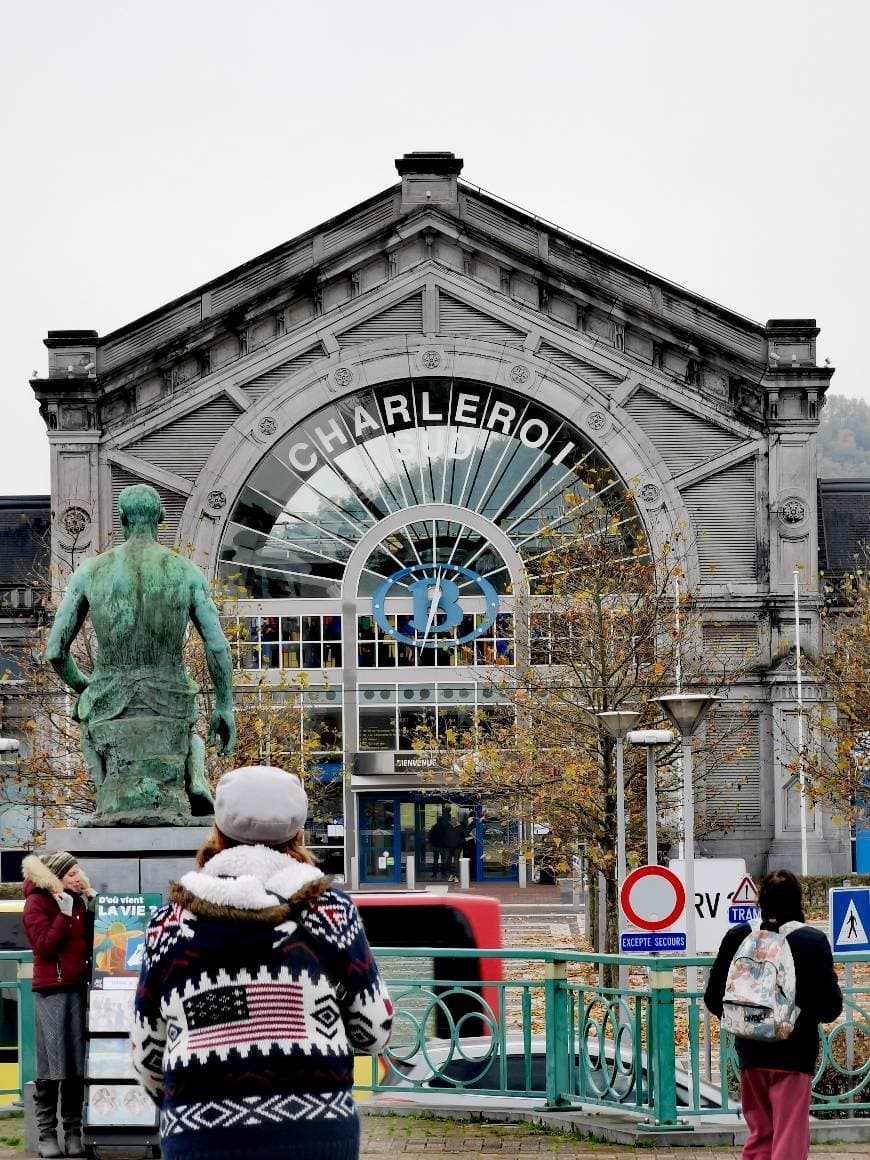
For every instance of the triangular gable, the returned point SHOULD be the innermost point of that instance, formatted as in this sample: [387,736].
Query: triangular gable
[724,510]
[682,438]
[593,375]
[404,317]
[264,383]
[185,445]
[457,319]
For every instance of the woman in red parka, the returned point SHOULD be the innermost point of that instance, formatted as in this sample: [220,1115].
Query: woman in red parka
[58,922]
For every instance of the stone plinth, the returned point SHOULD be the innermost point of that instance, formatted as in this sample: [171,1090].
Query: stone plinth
[131,860]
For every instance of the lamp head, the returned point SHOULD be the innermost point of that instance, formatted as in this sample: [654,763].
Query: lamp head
[617,722]
[686,710]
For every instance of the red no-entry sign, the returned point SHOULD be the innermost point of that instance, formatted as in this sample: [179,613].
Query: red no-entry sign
[652,897]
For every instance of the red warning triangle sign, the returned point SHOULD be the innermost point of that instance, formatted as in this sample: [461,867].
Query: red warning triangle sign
[746,893]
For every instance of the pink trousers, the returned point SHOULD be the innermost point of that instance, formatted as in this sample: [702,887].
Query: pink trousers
[776,1107]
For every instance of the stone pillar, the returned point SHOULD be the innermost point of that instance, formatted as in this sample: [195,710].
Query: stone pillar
[68,402]
[794,389]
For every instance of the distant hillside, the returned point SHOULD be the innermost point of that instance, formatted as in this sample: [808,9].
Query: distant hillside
[844,439]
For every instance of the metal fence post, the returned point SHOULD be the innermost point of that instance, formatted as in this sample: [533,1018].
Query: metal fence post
[557,1037]
[26,1026]
[663,1045]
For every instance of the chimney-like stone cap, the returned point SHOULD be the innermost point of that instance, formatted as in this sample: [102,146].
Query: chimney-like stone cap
[438,164]
[793,325]
[70,338]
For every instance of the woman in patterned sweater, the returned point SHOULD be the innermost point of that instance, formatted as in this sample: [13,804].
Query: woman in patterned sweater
[257,987]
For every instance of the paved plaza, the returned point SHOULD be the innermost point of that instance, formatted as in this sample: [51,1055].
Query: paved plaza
[386,1135]
[414,1135]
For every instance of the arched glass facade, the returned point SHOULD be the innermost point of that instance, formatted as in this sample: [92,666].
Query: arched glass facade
[380,543]
[384,450]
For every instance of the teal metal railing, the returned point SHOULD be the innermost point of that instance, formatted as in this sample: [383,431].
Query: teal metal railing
[547,1029]
[550,1031]
[19,965]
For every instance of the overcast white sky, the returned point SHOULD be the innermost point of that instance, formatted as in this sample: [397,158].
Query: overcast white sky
[149,147]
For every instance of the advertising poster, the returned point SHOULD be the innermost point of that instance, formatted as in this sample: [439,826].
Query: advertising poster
[119,1105]
[110,1059]
[119,937]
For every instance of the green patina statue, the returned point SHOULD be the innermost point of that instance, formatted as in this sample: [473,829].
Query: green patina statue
[137,709]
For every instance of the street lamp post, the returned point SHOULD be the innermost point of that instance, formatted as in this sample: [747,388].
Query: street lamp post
[651,738]
[617,722]
[686,711]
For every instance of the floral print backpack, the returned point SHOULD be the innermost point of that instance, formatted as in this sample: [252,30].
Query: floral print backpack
[759,1000]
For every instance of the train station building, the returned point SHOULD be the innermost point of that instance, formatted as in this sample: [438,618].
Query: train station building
[395,403]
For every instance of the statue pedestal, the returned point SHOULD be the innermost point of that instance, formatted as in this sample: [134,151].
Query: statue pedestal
[131,860]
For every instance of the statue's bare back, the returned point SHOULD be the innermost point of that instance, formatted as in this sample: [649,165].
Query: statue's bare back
[140,597]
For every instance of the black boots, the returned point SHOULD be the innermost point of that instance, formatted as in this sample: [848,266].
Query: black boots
[71,1099]
[45,1101]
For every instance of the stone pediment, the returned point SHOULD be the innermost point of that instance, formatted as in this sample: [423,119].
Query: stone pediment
[783,667]
[431,304]
[514,275]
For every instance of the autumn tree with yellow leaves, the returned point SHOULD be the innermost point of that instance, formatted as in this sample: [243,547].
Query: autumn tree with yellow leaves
[837,768]
[604,629]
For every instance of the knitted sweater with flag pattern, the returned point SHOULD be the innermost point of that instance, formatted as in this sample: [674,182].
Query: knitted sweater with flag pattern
[257,988]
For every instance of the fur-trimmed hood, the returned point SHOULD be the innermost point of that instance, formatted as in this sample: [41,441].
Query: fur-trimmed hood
[249,883]
[37,876]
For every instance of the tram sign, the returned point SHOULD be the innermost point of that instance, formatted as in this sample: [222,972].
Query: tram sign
[744,902]
[652,897]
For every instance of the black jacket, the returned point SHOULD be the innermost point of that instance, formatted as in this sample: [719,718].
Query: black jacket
[817,995]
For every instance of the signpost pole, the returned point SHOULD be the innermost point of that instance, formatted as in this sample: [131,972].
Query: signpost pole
[652,849]
[687,711]
[617,722]
[651,738]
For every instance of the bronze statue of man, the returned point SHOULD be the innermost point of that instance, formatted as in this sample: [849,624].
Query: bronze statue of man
[137,709]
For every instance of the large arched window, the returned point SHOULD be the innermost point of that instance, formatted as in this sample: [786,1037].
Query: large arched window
[388,449]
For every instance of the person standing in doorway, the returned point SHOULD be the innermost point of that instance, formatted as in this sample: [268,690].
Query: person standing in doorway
[454,840]
[776,1074]
[438,845]
[58,921]
[469,846]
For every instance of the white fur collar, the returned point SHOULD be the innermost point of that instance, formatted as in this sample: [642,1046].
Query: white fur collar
[250,878]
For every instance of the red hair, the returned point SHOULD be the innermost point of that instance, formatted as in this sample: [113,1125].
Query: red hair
[218,841]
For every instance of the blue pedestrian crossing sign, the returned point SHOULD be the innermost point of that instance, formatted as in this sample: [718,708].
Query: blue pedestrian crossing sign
[850,918]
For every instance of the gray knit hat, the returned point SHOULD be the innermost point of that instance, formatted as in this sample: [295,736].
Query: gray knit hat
[59,863]
[260,804]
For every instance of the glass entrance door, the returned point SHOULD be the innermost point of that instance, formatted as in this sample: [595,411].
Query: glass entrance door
[379,840]
[435,833]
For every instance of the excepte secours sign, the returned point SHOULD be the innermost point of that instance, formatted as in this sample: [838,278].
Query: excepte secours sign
[651,898]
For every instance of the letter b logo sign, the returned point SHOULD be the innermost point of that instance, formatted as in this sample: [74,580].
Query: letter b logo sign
[425,593]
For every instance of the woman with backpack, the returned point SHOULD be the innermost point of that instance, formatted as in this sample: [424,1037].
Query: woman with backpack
[772,985]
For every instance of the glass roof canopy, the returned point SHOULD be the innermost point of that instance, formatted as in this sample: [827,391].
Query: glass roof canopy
[387,449]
